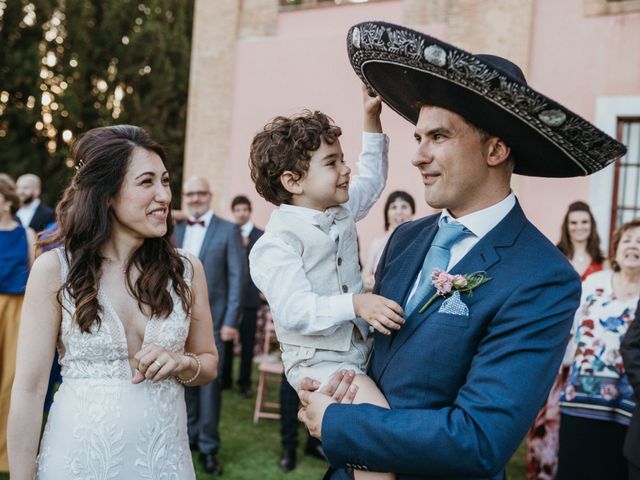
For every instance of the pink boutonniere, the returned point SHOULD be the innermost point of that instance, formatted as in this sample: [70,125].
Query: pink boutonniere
[445,284]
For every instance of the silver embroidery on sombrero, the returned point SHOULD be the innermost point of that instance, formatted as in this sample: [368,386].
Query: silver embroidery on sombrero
[553,118]
[583,143]
[355,38]
[436,55]
[405,43]
[462,67]
[371,36]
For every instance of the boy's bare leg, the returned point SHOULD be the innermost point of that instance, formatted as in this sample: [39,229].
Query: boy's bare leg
[368,392]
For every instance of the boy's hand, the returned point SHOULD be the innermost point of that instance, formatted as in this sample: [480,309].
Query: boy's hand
[372,105]
[379,312]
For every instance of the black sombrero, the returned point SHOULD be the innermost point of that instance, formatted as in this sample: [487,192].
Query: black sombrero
[408,69]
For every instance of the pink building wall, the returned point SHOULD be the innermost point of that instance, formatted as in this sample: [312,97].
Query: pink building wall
[573,59]
[576,59]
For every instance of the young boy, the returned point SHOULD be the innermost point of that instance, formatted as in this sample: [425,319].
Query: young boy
[306,263]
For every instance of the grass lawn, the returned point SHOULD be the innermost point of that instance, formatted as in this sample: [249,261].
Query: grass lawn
[251,451]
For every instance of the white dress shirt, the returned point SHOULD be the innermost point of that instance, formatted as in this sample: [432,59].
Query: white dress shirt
[277,270]
[245,229]
[479,224]
[194,234]
[25,214]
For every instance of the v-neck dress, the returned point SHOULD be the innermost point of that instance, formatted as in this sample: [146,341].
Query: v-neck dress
[101,426]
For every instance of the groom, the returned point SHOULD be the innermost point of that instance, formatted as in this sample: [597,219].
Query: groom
[466,375]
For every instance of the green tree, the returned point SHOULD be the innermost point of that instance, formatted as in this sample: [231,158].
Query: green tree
[67,66]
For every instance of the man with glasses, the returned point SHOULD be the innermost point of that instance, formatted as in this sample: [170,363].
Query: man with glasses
[218,245]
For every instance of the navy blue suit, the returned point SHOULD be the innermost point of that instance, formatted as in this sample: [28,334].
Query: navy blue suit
[463,390]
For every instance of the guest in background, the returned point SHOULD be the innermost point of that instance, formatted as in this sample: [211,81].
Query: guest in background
[597,403]
[631,354]
[241,209]
[32,212]
[218,244]
[580,242]
[16,257]
[399,208]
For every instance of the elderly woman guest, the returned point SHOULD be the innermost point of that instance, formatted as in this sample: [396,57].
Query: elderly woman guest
[16,256]
[580,242]
[399,208]
[597,402]
[129,316]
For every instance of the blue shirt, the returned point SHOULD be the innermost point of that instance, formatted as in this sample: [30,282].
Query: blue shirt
[14,260]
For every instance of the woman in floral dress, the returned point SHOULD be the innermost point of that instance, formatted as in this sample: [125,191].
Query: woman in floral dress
[597,402]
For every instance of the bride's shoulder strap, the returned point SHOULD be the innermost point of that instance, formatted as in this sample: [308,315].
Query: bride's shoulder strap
[64,263]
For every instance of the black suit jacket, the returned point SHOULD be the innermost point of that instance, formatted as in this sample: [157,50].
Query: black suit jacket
[631,354]
[252,297]
[42,217]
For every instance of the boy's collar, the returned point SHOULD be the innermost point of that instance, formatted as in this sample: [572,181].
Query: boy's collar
[303,212]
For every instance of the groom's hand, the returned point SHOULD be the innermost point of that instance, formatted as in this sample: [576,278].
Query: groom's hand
[338,390]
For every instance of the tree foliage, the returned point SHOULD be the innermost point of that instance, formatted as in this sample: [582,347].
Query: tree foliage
[67,66]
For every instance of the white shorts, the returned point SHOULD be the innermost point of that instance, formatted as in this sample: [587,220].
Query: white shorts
[321,365]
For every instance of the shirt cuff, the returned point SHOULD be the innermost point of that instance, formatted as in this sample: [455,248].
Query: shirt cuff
[341,307]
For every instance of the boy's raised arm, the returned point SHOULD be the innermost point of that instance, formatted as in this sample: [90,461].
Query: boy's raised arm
[373,164]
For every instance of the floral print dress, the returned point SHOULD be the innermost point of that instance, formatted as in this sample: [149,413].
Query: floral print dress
[597,387]
[544,435]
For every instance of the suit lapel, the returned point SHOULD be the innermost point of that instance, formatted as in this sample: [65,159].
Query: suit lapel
[35,220]
[254,235]
[208,237]
[400,279]
[481,257]
[178,233]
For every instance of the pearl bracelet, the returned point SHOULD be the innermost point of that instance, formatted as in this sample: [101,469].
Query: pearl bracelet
[194,356]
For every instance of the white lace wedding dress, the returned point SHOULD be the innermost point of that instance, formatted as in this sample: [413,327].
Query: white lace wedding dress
[103,427]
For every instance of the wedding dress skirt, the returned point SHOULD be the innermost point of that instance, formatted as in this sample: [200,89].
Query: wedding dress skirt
[112,429]
[103,427]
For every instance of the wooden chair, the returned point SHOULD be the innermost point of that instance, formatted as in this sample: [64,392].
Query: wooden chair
[270,371]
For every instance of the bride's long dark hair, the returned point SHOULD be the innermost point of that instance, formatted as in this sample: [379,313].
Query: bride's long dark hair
[102,157]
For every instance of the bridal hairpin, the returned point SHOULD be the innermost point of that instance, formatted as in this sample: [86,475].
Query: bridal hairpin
[79,165]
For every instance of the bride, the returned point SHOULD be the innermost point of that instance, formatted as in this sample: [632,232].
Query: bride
[129,316]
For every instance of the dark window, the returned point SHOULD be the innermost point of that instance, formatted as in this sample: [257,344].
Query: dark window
[625,205]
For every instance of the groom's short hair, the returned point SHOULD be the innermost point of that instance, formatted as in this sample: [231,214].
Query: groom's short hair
[287,144]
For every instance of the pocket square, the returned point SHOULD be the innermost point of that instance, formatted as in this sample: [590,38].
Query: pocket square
[454,305]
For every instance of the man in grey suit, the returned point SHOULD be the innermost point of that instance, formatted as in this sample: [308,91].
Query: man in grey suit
[218,245]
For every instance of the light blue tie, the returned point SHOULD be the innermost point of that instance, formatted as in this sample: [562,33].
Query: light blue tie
[437,256]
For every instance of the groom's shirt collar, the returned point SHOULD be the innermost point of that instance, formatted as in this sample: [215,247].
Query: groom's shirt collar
[483,221]
[479,223]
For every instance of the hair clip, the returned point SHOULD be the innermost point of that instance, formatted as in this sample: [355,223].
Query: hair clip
[79,165]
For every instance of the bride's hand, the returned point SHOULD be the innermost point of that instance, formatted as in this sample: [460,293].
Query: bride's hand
[155,363]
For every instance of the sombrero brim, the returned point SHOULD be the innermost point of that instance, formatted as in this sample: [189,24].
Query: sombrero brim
[409,69]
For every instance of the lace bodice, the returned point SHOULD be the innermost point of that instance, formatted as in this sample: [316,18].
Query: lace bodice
[102,426]
[103,353]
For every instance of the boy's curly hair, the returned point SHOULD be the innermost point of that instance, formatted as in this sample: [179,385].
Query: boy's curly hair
[287,144]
